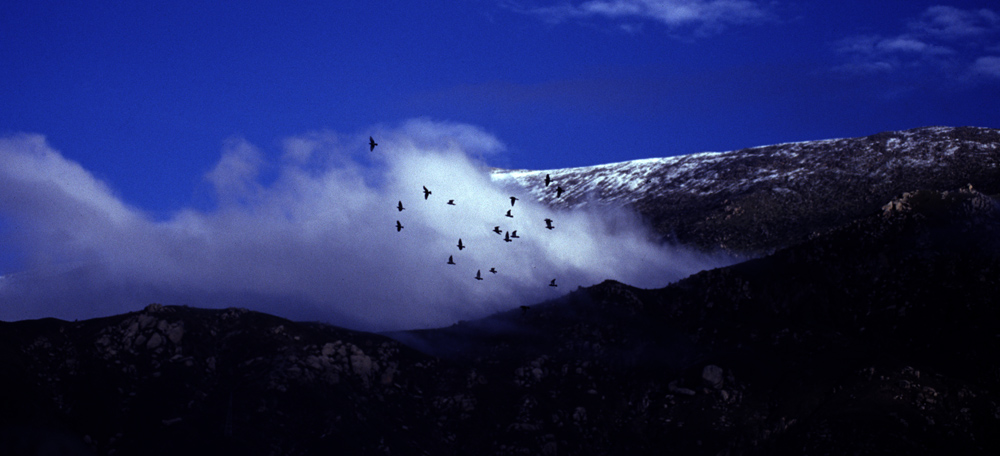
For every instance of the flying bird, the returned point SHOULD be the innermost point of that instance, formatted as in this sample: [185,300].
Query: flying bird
[426,192]
[460,246]
[524,310]
[478,275]
[548,224]
[553,283]
[508,214]
[559,191]
[493,270]
[371,144]
[400,207]
[512,199]
[451,202]
[548,180]
[497,230]
[450,260]
[513,235]
[507,237]
[399,226]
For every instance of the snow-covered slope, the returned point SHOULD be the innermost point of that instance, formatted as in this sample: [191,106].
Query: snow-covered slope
[758,199]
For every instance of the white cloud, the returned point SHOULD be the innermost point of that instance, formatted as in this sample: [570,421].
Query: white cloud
[319,240]
[236,173]
[987,66]
[704,15]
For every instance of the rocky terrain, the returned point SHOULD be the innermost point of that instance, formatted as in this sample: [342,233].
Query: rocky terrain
[754,201]
[867,324]
[878,336]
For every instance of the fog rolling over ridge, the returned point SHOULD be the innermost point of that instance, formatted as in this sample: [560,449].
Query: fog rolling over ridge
[311,234]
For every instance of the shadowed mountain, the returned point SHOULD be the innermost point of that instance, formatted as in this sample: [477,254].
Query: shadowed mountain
[875,337]
[871,328]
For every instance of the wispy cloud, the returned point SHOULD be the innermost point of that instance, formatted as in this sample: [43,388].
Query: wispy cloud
[950,23]
[987,66]
[317,239]
[703,16]
[944,40]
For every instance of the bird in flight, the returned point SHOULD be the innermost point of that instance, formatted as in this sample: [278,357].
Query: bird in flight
[548,224]
[399,226]
[507,237]
[559,191]
[508,214]
[400,207]
[524,310]
[371,144]
[513,235]
[450,260]
[497,230]
[512,199]
[548,180]
[460,246]
[553,283]
[426,192]
[451,202]
[493,270]
[478,275]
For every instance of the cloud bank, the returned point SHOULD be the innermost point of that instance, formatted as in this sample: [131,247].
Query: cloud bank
[317,239]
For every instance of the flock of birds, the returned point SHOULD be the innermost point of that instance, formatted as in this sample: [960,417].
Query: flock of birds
[509,236]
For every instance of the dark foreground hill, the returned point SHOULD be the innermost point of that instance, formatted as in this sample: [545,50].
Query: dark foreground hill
[880,336]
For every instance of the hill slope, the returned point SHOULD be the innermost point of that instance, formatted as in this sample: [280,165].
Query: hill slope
[877,336]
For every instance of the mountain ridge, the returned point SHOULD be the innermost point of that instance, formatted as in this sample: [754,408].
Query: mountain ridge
[755,200]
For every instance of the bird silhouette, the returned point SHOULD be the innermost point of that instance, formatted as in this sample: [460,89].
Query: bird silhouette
[460,246]
[399,226]
[524,310]
[508,213]
[507,237]
[493,270]
[548,180]
[512,199]
[450,260]
[451,202]
[400,207]
[497,230]
[548,224]
[426,192]
[478,275]
[513,235]
[371,144]
[553,283]
[559,191]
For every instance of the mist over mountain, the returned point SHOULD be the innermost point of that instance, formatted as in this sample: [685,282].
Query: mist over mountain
[863,325]
[312,235]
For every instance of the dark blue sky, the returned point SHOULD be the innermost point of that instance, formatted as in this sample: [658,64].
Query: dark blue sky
[145,94]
